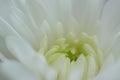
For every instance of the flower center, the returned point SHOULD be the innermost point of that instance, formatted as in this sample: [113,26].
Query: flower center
[73,47]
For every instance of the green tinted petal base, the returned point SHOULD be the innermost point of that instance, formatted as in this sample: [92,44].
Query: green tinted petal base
[73,47]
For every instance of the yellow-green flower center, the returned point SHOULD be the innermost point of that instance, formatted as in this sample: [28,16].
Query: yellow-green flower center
[73,47]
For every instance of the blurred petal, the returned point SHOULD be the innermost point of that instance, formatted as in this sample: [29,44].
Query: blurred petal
[110,73]
[6,29]
[35,25]
[110,21]
[15,71]
[5,9]
[77,70]
[4,49]
[63,70]
[27,55]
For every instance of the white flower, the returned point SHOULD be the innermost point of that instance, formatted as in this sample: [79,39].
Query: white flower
[60,40]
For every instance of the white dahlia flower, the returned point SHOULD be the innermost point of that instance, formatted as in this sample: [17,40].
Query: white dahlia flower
[59,39]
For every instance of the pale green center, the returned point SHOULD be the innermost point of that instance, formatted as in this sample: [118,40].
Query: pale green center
[73,47]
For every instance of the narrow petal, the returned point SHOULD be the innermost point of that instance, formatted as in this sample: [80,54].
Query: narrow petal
[4,49]
[6,29]
[77,70]
[87,14]
[28,56]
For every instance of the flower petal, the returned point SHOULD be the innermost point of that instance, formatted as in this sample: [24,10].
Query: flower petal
[87,14]
[15,71]
[110,21]
[63,70]
[4,49]
[110,73]
[28,56]
[5,9]
[77,69]
[6,29]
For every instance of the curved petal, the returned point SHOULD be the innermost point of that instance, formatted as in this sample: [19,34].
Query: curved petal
[87,14]
[84,11]
[78,69]
[29,57]
[14,70]
[110,21]
[4,49]
[63,70]
[110,73]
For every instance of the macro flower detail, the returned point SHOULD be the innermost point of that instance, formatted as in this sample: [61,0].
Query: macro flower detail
[59,40]
[73,48]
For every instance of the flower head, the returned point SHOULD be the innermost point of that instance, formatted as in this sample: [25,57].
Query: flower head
[60,40]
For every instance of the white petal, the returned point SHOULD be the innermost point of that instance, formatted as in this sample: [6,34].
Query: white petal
[24,22]
[5,9]
[108,62]
[20,25]
[62,65]
[4,49]
[6,29]
[115,48]
[26,54]
[110,20]
[110,73]
[58,30]
[22,50]
[87,14]
[15,71]
[93,67]
[77,69]
[46,30]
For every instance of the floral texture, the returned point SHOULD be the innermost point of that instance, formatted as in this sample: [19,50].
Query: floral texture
[59,40]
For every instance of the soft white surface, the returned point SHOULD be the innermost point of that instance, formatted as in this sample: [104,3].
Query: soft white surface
[35,17]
